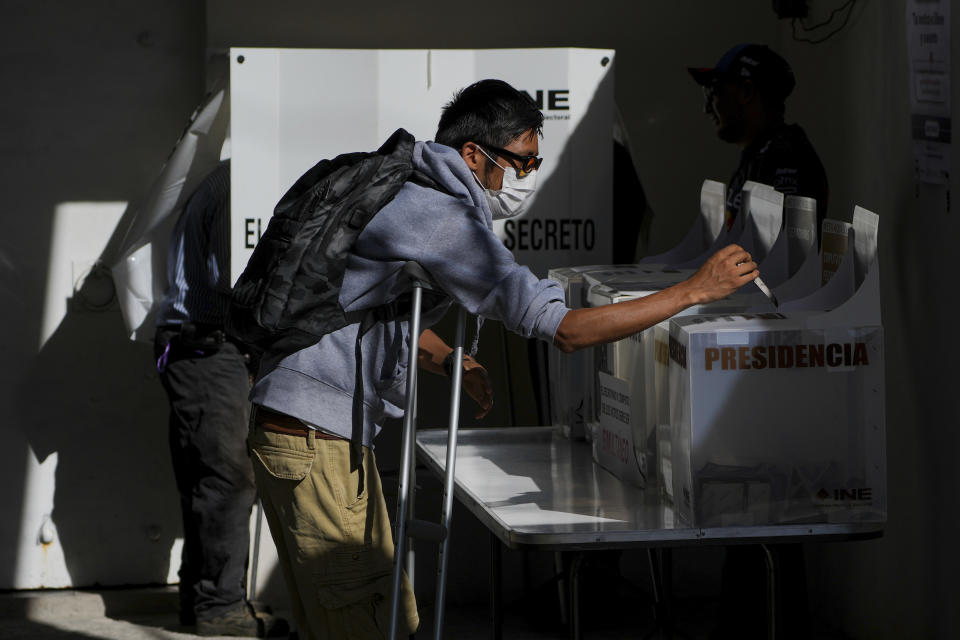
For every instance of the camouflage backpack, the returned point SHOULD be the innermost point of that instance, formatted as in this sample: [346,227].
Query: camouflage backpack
[287,297]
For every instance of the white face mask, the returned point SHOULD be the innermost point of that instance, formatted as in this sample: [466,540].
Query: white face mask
[512,198]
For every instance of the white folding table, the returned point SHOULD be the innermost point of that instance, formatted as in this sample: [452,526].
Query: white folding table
[536,490]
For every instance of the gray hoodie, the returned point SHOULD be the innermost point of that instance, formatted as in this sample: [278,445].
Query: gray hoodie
[451,236]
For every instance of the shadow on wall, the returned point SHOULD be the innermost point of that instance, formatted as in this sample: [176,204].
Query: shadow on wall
[99,98]
[92,396]
[14,458]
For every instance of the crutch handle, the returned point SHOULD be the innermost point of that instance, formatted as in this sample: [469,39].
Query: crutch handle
[425,530]
[414,274]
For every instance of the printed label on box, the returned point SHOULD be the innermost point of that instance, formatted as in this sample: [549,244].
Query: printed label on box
[614,448]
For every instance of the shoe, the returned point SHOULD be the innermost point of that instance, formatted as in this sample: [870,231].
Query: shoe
[242,621]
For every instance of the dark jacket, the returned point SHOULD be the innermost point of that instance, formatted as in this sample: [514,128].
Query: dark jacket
[784,159]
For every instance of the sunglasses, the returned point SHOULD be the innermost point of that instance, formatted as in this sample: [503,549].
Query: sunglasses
[527,163]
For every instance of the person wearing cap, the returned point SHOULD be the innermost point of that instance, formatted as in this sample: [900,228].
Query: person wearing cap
[745,95]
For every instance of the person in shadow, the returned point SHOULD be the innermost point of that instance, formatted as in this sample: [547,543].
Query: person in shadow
[205,373]
[745,95]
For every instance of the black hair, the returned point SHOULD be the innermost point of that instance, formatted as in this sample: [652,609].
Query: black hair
[488,111]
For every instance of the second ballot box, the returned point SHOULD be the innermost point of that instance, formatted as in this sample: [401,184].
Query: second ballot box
[569,373]
[621,398]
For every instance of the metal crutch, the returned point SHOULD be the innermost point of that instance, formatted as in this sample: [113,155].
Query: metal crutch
[408,550]
[449,476]
[406,524]
[255,556]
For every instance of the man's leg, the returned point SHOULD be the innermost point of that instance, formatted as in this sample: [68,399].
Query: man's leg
[275,525]
[179,382]
[190,558]
[338,544]
[209,414]
[224,492]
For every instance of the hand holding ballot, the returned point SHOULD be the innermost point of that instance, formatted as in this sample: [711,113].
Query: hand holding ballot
[723,273]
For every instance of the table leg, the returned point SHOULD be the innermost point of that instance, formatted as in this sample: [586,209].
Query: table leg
[527,572]
[496,587]
[771,592]
[574,578]
[661,577]
[563,591]
[654,576]
[653,559]
[666,587]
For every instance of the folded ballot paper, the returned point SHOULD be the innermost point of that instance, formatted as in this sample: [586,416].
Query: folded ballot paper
[778,416]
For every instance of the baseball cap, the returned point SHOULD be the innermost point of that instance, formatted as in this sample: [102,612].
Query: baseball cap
[757,62]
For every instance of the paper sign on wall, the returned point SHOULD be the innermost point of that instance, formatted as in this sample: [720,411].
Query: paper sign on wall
[928,47]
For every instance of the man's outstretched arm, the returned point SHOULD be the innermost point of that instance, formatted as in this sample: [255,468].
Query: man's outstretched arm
[726,271]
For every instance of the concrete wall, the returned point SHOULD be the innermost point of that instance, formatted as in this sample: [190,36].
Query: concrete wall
[858,115]
[101,92]
[95,95]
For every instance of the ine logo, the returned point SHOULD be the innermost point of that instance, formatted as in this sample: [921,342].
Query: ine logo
[551,99]
[858,495]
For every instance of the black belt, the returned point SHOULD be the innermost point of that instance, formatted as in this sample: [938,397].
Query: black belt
[197,335]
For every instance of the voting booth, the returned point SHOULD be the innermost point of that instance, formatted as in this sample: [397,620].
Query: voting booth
[294,107]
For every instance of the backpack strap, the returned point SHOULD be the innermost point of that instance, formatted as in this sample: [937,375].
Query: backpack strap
[356,436]
[422,179]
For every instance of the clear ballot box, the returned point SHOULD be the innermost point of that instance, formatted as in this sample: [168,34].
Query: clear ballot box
[778,417]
